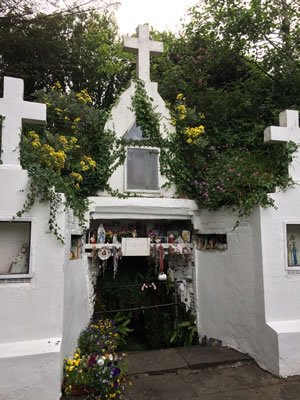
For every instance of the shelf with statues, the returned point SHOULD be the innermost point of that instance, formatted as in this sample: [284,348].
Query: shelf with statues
[138,247]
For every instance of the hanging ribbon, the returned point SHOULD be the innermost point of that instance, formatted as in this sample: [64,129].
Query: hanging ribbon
[161,259]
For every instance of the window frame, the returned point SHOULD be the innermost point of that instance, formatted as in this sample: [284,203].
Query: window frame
[29,275]
[287,267]
[157,150]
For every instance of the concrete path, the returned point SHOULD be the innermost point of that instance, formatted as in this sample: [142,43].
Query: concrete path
[196,373]
[170,360]
[204,374]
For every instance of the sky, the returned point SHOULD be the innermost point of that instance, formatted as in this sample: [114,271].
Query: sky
[160,14]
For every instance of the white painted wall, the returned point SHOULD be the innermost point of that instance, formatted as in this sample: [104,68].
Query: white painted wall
[37,313]
[76,311]
[230,288]
[282,289]
[122,118]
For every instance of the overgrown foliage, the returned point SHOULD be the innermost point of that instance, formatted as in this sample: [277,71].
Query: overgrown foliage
[72,155]
[229,73]
[236,65]
[80,49]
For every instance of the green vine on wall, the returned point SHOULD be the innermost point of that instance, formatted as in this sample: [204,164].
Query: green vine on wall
[236,175]
[73,154]
[150,123]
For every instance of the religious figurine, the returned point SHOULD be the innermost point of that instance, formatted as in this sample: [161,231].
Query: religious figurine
[93,238]
[134,233]
[115,238]
[292,251]
[19,264]
[101,234]
[171,238]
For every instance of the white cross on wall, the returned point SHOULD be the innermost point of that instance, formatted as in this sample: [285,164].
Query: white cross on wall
[16,111]
[288,130]
[143,47]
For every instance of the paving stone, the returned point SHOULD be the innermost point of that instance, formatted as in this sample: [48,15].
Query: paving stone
[250,394]
[213,381]
[161,387]
[154,361]
[287,391]
[197,356]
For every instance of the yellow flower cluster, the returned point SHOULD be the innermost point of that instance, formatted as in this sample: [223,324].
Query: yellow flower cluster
[86,163]
[76,176]
[74,362]
[84,96]
[63,140]
[52,158]
[181,109]
[180,97]
[193,133]
[35,139]
[68,144]
[56,86]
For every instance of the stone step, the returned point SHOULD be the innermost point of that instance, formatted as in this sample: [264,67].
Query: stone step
[169,360]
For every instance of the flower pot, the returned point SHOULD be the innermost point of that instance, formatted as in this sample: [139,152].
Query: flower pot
[81,391]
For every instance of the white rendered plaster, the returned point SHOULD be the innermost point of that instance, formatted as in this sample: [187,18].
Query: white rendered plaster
[141,207]
[282,291]
[16,111]
[76,301]
[42,317]
[122,119]
[230,288]
[32,377]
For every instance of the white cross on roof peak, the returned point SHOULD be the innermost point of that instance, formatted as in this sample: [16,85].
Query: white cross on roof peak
[143,47]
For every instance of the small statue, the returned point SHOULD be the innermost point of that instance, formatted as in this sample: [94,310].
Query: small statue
[171,238]
[93,238]
[293,251]
[19,263]
[134,233]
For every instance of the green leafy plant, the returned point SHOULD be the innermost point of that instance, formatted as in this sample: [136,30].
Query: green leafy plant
[237,174]
[72,155]
[122,322]
[95,368]
[186,334]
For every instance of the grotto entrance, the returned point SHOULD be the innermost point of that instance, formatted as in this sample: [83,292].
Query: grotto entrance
[157,312]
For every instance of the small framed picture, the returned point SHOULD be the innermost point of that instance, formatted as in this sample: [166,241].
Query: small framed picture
[186,236]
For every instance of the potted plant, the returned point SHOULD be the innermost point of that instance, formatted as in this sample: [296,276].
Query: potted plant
[95,368]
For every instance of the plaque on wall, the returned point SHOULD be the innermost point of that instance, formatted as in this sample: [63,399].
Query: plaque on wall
[136,246]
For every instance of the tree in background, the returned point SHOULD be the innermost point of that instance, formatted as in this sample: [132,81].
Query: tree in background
[79,48]
[236,64]
[229,73]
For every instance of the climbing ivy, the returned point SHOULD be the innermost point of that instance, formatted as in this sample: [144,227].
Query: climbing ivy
[73,154]
[237,175]
[150,123]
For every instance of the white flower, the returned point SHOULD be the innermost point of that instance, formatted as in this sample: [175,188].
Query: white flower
[111,357]
[100,362]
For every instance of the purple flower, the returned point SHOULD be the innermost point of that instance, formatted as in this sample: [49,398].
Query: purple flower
[92,360]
